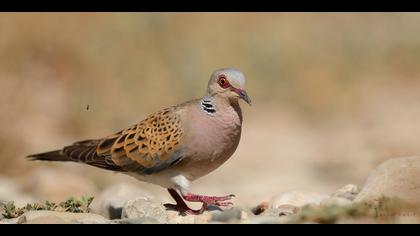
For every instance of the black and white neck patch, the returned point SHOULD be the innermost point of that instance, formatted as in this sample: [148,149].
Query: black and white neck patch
[207,106]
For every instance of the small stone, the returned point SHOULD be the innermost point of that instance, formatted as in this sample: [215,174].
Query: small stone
[337,201]
[297,199]
[8,221]
[395,178]
[22,220]
[142,220]
[111,201]
[145,207]
[230,215]
[176,218]
[349,192]
[260,208]
[282,210]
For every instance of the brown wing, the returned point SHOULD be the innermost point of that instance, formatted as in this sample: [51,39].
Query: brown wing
[147,147]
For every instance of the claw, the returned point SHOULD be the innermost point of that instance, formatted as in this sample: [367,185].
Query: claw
[223,204]
[170,206]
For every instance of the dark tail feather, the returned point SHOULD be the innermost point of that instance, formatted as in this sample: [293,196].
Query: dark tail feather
[78,152]
[57,155]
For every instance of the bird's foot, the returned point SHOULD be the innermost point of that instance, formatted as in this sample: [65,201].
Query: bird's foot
[181,206]
[222,201]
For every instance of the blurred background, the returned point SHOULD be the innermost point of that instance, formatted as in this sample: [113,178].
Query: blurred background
[333,94]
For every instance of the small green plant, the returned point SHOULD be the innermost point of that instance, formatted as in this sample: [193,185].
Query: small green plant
[76,205]
[10,210]
[70,205]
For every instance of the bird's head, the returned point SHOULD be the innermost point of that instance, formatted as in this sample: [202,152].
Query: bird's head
[228,83]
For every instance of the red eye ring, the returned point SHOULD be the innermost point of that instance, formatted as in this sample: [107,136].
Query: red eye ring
[223,82]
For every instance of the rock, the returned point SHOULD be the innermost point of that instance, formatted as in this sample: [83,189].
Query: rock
[288,203]
[399,178]
[360,220]
[111,201]
[8,221]
[144,220]
[282,210]
[232,215]
[10,191]
[338,201]
[58,185]
[267,220]
[53,217]
[297,199]
[260,208]
[349,192]
[264,209]
[144,207]
[408,219]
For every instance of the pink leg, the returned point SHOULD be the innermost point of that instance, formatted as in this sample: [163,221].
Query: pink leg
[209,200]
[181,206]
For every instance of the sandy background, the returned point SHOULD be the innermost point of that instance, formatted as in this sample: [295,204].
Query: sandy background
[333,94]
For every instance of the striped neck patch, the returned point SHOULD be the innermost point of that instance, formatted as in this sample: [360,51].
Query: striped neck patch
[207,106]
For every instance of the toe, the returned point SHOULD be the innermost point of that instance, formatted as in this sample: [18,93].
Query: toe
[169,206]
[224,204]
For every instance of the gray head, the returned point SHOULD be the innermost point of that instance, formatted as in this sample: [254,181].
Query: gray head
[228,83]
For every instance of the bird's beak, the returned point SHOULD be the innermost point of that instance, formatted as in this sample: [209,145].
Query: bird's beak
[243,95]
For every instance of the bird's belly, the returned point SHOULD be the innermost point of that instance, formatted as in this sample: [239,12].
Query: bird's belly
[214,150]
[198,168]
[191,167]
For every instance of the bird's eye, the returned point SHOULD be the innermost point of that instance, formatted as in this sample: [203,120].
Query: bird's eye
[223,82]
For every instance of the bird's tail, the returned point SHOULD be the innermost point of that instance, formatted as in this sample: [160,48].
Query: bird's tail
[57,155]
[82,152]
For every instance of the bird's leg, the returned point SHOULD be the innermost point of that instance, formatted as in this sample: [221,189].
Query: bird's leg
[209,200]
[181,206]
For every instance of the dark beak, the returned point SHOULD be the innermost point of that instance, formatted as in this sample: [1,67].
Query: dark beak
[242,94]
